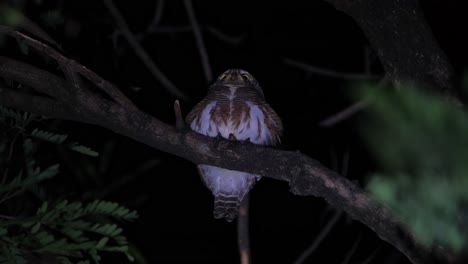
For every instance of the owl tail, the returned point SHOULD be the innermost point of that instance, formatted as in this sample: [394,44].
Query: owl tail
[226,206]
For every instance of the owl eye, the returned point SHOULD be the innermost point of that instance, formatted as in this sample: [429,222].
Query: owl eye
[223,76]
[245,76]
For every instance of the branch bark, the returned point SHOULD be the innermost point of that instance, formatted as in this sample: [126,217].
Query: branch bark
[402,38]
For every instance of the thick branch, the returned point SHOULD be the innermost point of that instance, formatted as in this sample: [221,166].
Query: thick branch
[401,37]
[305,175]
[42,48]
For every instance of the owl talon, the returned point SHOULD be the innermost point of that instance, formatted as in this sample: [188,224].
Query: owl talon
[246,141]
[217,139]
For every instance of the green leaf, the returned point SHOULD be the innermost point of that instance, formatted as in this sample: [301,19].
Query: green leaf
[3,231]
[102,243]
[44,238]
[83,150]
[35,228]
[49,136]
[50,172]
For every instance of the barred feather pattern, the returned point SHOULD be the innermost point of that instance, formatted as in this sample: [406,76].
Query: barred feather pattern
[234,108]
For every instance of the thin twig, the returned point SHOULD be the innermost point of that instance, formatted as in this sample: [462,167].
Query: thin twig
[10,153]
[350,110]
[106,86]
[157,15]
[215,32]
[326,72]
[7,217]
[351,251]
[141,53]
[243,231]
[321,236]
[371,256]
[233,40]
[26,24]
[199,40]
[180,124]
[126,178]
[344,114]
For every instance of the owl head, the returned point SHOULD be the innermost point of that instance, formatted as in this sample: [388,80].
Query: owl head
[239,78]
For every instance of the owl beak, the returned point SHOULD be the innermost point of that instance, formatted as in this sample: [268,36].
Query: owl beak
[234,76]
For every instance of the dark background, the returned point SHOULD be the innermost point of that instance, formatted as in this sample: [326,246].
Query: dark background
[176,223]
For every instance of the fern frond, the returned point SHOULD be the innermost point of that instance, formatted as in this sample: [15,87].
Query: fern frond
[83,149]
[49,136]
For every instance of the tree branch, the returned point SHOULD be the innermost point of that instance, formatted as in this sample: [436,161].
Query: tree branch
[403,41]
[319,238]
[243,237]
[326,72]
[141,53]
[199,40]
[304,175]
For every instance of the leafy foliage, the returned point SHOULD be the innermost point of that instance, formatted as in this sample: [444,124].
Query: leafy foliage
[69,231]
[60,139]
[57,231]
[421,142]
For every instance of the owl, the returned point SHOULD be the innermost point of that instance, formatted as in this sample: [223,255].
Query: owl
[234,108]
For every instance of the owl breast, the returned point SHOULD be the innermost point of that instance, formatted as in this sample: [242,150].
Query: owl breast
[233,113]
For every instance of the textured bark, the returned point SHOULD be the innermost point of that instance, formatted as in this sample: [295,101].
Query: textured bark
[403,41]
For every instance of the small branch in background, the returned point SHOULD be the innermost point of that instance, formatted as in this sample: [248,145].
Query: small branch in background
[157,16]
[367,59]
[233,40]
[9,155]
[199,40]
[344,114]
[215,32]
[326,72]
[243,231]
[125,179]
[350,110]
[44,49]
[351,251]
[141,53]
[318,240]
[371,256]
[180,124]
[29,26]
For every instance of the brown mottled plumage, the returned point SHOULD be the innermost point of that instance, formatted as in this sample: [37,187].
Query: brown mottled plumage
[234,108]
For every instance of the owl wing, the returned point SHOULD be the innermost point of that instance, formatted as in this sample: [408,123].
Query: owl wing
[273,124]
[200,118]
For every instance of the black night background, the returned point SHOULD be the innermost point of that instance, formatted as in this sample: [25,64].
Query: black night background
[308,56]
